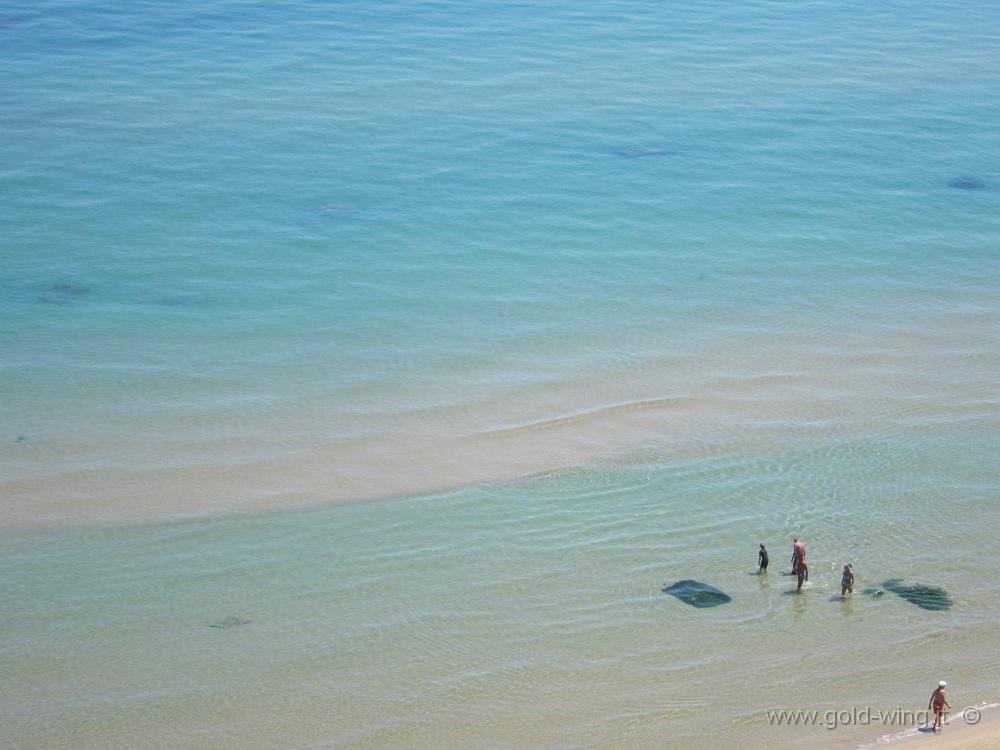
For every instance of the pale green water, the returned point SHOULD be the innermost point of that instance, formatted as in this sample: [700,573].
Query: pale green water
[649,284]
[522,614]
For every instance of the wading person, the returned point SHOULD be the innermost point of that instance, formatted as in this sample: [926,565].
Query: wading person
[847,580]
[938,703]
[799,566]
[762,560]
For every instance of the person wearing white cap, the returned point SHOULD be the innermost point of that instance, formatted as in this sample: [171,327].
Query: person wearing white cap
[938,703]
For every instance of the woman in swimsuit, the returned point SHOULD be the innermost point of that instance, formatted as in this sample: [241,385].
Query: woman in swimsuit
[847,580]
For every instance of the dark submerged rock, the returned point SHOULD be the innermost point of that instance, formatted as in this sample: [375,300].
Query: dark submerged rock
[340,210]
[925,597]
[966,182]
[178,300]
[10,21]
[641,153]
[229,622]
[61,294]
[697,594]
[873,593]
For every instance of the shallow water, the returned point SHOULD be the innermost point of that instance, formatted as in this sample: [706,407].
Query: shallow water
[608,295]
[526,613]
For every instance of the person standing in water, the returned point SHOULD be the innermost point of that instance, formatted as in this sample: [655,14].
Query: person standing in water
[847,580]
[799,566]
[762,560]
[938,703]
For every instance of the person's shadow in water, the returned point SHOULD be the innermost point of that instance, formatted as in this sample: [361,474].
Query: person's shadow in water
[846,604]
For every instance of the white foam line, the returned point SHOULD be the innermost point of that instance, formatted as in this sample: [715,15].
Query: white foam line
[887,739]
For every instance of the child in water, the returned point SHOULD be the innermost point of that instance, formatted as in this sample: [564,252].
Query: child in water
[762,560]
[847,580]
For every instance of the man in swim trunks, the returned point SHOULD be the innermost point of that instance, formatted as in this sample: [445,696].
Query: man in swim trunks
[847,580]
[938,704]
[762,560]
[799,566]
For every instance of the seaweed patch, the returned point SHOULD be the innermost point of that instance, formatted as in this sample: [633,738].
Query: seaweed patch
[697,594]
[925,597]
[229,622]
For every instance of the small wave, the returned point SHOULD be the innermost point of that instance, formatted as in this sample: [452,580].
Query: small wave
[587,414]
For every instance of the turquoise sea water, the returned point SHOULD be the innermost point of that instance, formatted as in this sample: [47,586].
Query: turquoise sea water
[608,293]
